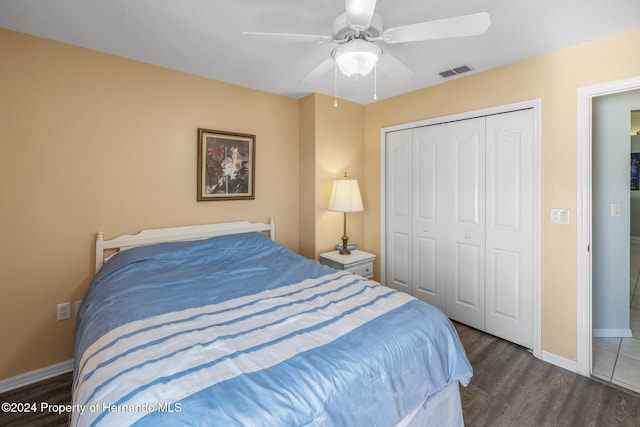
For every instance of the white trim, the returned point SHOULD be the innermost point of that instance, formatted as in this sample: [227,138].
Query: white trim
[536,105]
[533,103]
[554,359]
[584,214]
[32,377]
[612,333]
[537,229]
[635,239]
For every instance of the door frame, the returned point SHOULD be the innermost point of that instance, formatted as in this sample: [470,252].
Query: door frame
[536,106]
[584,214]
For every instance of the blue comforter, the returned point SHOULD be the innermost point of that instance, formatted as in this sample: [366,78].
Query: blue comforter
[239,331]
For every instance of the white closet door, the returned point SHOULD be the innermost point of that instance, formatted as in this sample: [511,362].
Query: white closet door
[398,210]
[429,215]
[465,228]
[509,227]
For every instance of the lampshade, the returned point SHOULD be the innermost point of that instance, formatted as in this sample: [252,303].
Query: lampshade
[357,58]
[345,196]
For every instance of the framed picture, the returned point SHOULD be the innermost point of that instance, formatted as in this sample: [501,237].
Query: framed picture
[634,171]
[226,165]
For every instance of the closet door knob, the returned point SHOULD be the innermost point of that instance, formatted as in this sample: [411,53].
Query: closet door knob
[425,229]
[467,235]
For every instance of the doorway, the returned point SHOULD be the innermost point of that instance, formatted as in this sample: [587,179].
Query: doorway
[616,347]
[585,215]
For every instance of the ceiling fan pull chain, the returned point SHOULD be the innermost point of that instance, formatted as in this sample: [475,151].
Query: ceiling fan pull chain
[375,82]
[335,84]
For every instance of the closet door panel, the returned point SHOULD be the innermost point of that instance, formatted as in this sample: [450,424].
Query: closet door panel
[429,215]
[504,283]
[465,253]
[398,269]
[398,210]
[509,228]
[468,276]
[425,267]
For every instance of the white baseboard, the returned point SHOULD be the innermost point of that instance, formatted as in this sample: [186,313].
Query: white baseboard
[28,378]
[554,359]
[612,333]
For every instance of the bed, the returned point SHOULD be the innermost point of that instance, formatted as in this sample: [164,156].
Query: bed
[220,325]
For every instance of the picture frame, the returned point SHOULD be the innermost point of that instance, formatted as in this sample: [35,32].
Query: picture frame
[634,184]
[226,165]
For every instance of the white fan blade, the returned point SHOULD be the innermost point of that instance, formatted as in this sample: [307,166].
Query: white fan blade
[394,68]
[287,37]
[359,13]
[320,70]
[459,26]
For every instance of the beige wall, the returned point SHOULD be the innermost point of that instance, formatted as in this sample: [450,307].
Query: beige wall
[339,149]
[331,142]
[554,78]
[94,142]
[307,177]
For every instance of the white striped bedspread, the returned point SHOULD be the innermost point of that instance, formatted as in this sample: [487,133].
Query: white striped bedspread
[332,349]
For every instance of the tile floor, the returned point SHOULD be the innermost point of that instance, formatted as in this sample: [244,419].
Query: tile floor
[618,359]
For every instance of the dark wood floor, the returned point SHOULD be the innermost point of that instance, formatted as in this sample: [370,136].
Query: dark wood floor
[54,391]
[509,388]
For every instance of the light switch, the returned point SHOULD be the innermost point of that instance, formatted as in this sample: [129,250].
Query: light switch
[615,209]
[560,216]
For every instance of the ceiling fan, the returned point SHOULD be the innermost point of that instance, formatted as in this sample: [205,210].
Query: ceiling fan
[359,30]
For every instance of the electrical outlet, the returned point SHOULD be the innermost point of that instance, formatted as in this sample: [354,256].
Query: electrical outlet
[64,311]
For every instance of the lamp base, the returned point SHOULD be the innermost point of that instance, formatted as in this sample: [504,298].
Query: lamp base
[345,248]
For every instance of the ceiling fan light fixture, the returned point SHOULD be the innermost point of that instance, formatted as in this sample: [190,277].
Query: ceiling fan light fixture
[357,58]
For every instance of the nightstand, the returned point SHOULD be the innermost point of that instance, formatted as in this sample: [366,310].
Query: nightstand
[359,262]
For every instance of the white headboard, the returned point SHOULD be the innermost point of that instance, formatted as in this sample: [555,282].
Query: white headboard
[177,234]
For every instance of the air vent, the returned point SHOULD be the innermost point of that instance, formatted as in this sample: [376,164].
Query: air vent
[455,71]
[447,73]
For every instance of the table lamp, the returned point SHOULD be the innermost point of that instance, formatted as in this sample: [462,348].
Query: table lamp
[345,197]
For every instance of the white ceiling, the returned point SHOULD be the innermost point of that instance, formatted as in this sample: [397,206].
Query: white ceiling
[202,37]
